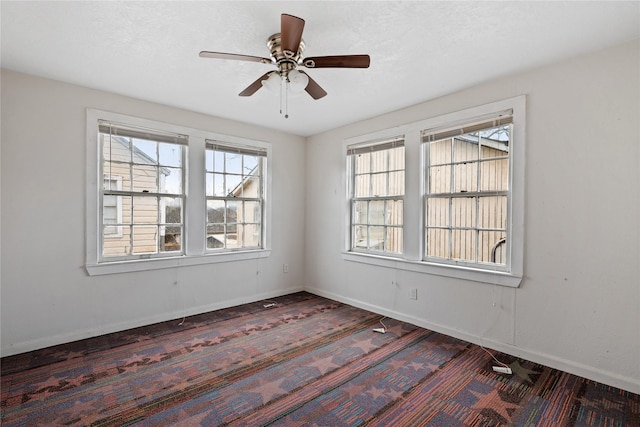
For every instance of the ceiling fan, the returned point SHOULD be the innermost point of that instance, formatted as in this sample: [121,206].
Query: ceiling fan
[286,49]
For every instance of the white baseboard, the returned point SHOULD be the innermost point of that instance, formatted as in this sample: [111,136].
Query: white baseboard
[43,342]
[555,362]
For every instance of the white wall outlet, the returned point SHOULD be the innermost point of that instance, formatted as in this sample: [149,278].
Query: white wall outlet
[285,268]
[413,293]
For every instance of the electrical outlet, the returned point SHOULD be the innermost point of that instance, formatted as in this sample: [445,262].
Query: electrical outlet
[413,293]
[285,268]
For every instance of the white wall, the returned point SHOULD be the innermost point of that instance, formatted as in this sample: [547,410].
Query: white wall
[578,307]
[47,296]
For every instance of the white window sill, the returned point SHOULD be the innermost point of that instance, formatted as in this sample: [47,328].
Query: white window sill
[477,275]
[172,262]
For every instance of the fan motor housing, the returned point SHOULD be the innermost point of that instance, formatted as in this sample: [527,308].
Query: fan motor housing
[284,61]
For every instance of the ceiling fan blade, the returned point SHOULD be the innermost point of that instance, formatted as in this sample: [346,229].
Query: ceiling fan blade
[338,61]
[290,34]
[253,87]
[221,55]
[314,88]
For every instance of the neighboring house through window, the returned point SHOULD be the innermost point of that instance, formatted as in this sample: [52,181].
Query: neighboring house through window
[234,193]
[161,195]
[377,192]
[143,195]
[446,198]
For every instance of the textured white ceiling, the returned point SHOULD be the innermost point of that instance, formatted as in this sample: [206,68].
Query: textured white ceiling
[419,49]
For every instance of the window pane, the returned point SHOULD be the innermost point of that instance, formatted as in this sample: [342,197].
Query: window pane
[145,239]
[363,163]
[362,188]
[208,160]
[492,212]
[379,161]
[494,175]
[233,163]
[145,152]
[463,212]
[251,187]
[171,180]
[218,161]
[145,178]
[172,210]
[440,152]
[251,212]
[116,245]
[215,211]
[252,237]
[394,240]
[376,238]
[491,244]
[377,212]
[215,240]
[218,185]
[360,237]
[465,178]
[495,141]
[439,179]
[465,148]
[396,158]
[170,154]
[438,212]
[438,242]
[394,212]
[145,210]
[360,212]
[396,183]
[232,187]
[379,184]
[232,212]
[250,163]
[172,240]
[463,245]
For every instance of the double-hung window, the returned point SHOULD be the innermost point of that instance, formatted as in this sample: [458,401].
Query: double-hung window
[446,199]
[376,199]
[466,202]
[235,196]
[142,195]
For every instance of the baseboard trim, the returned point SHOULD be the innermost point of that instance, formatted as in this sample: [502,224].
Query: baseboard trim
[552,361]
[44,342]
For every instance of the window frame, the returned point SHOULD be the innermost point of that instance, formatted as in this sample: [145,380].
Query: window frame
[262,167]
[370,147]
[194,206]
[414,211]
[435,136]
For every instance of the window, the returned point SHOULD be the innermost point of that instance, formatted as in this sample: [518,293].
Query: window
[143,192]
[445,199]
[234,193]
[112,208]
[467,193]
[377,192]
[161,195]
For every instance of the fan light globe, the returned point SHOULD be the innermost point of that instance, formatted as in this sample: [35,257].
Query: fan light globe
[297,81]
[272,83]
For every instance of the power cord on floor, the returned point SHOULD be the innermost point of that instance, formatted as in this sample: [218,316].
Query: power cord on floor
[382,330]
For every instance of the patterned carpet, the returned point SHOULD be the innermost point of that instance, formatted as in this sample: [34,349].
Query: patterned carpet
[308,361]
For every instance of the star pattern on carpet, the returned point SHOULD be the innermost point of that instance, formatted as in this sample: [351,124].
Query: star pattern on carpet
[376,392]
[324,365]
[522,372]
[50,382]
[365,345]
[269,389]
[493,401]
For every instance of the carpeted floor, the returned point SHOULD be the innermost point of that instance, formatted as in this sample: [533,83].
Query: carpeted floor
[308,361]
